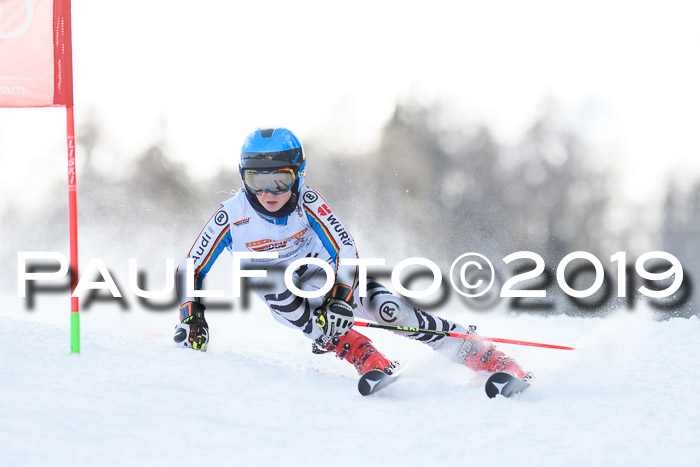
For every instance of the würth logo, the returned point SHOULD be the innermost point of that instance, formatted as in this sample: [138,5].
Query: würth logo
[324,210]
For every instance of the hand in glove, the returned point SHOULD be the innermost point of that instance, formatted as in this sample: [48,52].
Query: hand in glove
[335,317]
[193,331]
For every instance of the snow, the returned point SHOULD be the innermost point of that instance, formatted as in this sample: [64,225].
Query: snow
[629,396]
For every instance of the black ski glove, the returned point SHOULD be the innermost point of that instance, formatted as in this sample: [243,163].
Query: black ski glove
[193,331]
[335,317]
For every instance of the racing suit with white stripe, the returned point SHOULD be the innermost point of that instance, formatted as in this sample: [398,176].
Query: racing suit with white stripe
[311,230]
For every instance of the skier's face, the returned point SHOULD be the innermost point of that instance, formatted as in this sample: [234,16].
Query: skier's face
[274,203]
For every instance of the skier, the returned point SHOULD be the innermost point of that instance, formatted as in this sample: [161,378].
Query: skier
[277,212]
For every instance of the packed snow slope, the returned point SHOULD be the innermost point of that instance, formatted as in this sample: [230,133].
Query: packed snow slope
[629,396]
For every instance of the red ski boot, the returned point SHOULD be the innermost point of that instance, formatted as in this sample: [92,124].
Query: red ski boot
[358,350]
[482,356]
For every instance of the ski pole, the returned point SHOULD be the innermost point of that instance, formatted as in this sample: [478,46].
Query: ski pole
[460,335]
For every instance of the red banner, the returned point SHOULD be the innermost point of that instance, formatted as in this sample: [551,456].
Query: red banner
[36,67]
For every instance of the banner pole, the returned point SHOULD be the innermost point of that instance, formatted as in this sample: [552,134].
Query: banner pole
[73,223]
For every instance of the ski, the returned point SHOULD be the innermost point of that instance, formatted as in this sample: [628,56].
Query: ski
[374,380]
[505,385]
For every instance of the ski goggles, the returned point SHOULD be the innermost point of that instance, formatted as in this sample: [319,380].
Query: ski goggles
[276,181]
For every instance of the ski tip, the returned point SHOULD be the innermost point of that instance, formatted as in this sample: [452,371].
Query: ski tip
[372,381]
[504,384]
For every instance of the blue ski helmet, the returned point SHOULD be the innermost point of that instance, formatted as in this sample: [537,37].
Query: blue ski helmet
[274,148]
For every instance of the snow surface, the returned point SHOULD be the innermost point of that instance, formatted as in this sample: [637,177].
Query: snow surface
[259,397]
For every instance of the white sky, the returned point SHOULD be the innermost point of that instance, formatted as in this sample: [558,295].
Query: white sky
[202,74]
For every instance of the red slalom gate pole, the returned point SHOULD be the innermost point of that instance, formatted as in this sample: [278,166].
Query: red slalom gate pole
[461,335]
[32,80]
[73,227]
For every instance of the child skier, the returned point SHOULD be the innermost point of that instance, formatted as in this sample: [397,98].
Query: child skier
[277,212]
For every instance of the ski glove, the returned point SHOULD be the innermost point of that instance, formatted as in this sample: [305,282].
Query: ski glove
[193,331]
[335,318]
